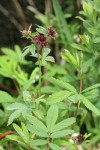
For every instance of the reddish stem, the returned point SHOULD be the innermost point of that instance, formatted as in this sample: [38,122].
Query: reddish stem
[2,136]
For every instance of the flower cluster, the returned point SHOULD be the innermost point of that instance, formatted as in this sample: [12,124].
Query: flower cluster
[39,39]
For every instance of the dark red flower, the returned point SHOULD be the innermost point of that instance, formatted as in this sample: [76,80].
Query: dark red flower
[40,40]
[51,32]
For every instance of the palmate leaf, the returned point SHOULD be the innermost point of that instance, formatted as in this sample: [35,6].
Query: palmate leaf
[52,116]
[63,84]
[63,124]
[61,133]
[58,97]
[89,105]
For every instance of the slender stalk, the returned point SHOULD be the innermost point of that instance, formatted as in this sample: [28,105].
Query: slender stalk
[47,146]
[17,88]
[40,72]
[39,77]
[81,86]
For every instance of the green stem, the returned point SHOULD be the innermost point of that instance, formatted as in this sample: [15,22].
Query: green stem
[81,86]
[47,146]
[39,77]
[40,71]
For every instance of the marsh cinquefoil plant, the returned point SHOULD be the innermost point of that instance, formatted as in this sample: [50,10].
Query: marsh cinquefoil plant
[42,125]
[47,123]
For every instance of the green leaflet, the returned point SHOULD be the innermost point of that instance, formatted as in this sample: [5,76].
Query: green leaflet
[54,146]
[39,142]
[37,123]
[52,116]
[90,106]
[17,139]
[35,130]
[50,58]
[63,84]
[21,133]
[19,108]
[41,30]
[61,133]
[30,48]
[15,106]
[92,87]
[13,116]
[58,97]
[63,124]
[80,47]
[25,129]
[5,97]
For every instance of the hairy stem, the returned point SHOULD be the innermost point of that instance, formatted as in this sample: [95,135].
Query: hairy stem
[39,77]
[81,86]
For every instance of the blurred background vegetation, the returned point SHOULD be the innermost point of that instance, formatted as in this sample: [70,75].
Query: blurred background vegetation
[16,15]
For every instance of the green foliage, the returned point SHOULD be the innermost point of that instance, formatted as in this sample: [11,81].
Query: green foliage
[58,97]
[5,97]
[51,129]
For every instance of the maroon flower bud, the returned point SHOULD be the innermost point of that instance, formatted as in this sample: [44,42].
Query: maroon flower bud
[40,40]
[51,32]
[80,138]
[25,33]
[77,138]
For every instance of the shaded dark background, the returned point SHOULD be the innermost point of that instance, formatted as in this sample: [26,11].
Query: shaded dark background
[15,16]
